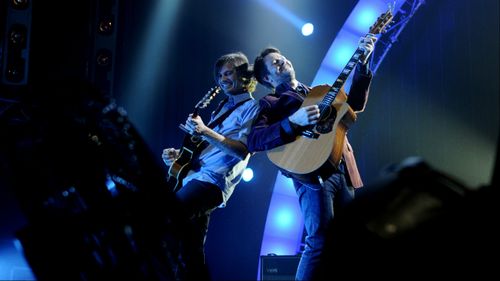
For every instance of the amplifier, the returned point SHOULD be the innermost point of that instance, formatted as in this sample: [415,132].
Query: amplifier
[278,267]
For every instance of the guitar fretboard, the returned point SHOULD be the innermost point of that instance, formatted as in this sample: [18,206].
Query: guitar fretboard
[335,88]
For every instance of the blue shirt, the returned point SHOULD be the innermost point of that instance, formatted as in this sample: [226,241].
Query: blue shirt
[218,167]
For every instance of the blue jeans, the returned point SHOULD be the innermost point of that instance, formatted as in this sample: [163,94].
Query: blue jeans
[318,203]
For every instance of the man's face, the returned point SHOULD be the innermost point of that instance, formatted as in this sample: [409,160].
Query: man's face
[228,79]
[280,69]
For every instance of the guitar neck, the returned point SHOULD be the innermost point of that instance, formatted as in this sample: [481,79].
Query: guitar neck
[194,114]
[335,88]
[196,111]
[205,101]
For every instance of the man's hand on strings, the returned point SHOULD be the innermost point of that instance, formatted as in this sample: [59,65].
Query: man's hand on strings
[195,125]
[307,115]
[367,44]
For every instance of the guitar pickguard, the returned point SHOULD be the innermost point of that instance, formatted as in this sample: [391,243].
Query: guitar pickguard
[186,161]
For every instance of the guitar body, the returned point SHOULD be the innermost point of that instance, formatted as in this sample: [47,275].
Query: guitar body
[306,154]
[191,148]
[325,140]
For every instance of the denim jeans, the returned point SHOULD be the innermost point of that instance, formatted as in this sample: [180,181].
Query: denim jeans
[196,201]
[318,202]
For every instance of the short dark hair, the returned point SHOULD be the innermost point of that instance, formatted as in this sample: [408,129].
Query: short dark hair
[242,66]
[260,69]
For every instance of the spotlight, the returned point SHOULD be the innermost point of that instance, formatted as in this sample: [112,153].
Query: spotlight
[307,29]
[105,25]
[284,218]
[17,39]
[247,174]
[17,35]
[19,4]
[15,72]
[103,58]
[365,18]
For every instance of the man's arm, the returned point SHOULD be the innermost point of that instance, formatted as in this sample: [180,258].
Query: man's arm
[231,147]
[358,94]
[360,88]
[267,136]
[272,127]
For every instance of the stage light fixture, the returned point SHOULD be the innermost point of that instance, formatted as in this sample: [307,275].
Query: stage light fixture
[103,58]
[105,25]
[307,29]
[15,63]
[17,35]
[15,72]
[299,23]
[247,174]
[19,4]
[14,51]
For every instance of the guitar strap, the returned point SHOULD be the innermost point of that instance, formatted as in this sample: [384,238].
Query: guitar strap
[214,123]
[220,106]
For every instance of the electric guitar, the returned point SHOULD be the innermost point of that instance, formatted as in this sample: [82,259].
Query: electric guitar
[325,140]
[191,146]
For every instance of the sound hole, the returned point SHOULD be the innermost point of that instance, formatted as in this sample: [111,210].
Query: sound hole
[327,119]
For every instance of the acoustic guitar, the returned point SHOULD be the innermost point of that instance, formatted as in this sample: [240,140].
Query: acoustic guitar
[325,140]
[191,146]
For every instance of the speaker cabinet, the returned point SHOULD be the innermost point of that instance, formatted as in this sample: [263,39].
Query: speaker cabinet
[278,267]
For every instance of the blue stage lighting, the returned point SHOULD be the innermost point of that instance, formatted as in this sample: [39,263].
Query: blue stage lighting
[13,265]
[307,29]
[247,174]
[149,61]
[284,218]
[343,53]
[110,184]
[278,246]
[365,18]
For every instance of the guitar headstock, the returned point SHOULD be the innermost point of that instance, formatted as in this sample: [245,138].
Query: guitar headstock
[382,21]
[207,98]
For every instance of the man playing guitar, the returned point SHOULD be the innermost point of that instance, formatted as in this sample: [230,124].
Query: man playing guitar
[218,167]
